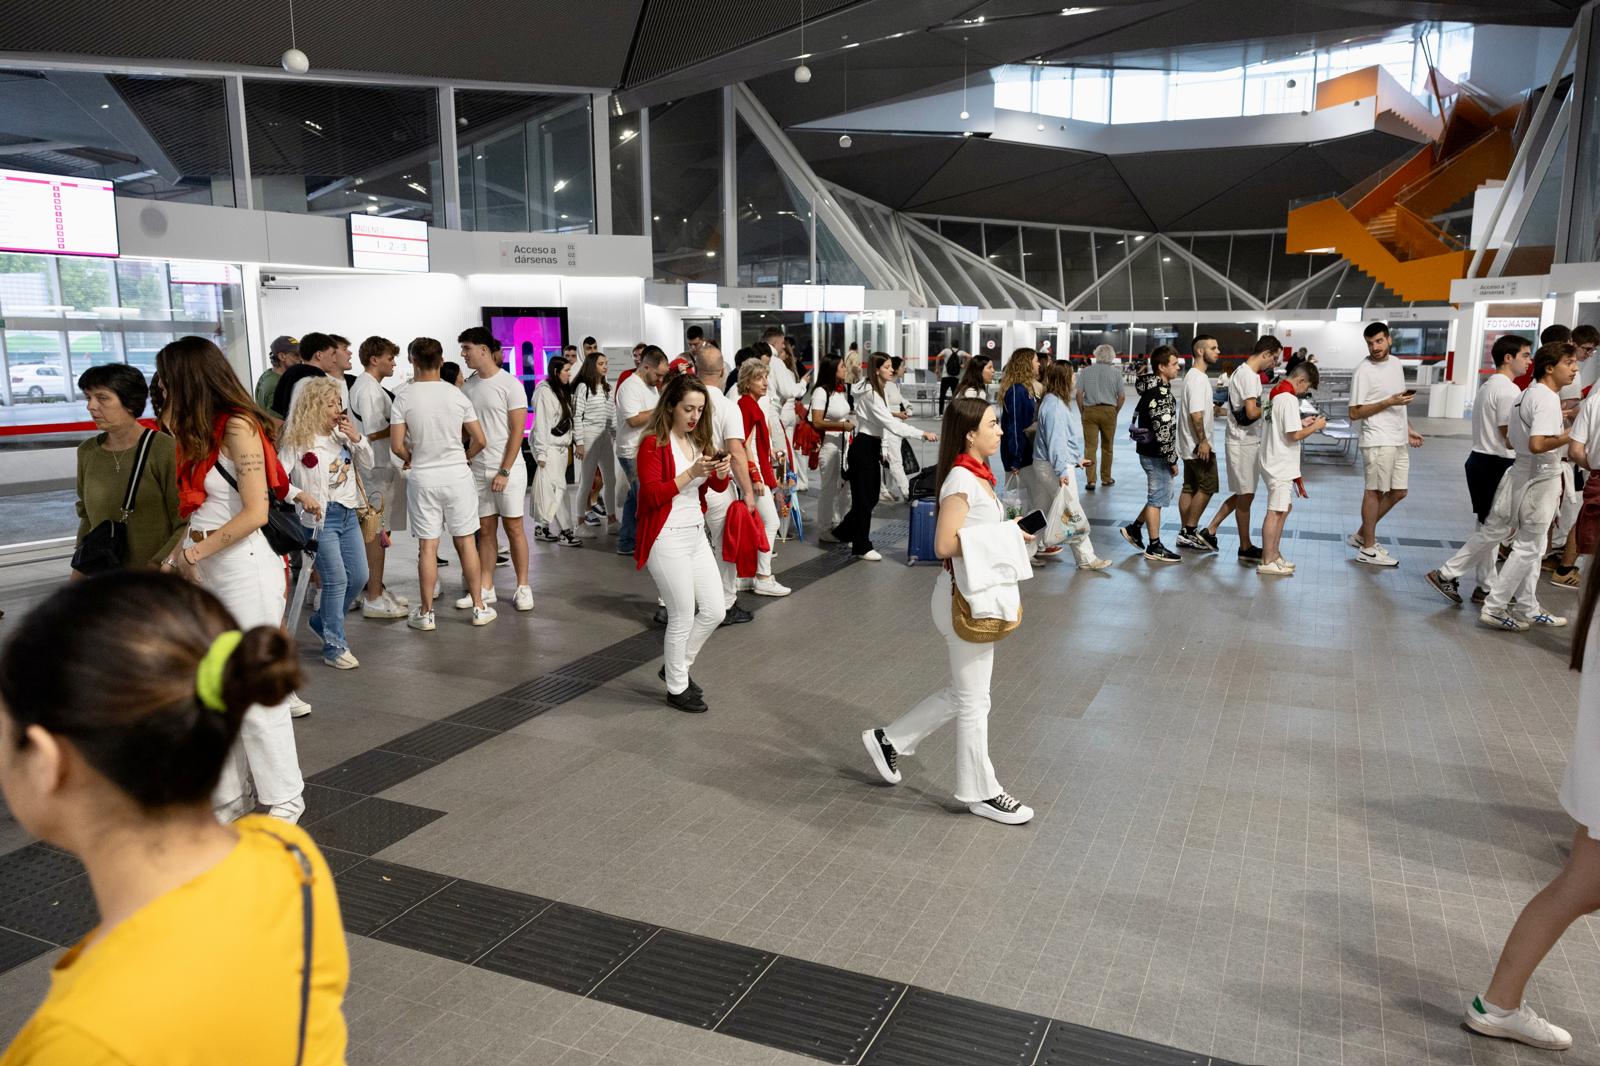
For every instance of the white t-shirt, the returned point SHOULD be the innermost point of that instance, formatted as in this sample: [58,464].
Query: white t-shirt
[1194,398]
[1491,410]
[1243,384]
[686,504]
[1374,382]
[433,413]
[633,398]
[727,421]
[1280,456]
[982,506]
[1586,429]
[1537,415]
[369,406]
[494,398]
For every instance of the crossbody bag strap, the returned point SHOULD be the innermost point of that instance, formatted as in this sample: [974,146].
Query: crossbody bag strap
[145,441]
[309,927]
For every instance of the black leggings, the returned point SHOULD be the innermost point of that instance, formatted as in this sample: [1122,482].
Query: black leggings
[947,387]
[866,481]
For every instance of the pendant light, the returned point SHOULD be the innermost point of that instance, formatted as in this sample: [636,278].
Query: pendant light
[844,138]
[294,61]
[802,73]
[964,115]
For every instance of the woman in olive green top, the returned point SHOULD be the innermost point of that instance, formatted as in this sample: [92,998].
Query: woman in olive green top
[117,396]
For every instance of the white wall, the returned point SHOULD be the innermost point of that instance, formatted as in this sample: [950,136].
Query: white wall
[1507,60]
[1337,345]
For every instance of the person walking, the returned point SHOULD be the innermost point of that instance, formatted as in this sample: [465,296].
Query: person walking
[371,404]
[1155,422]
[727,436]
[1019,408]
[596,411]
[553,503]
[121,698]
[1242,445]
[676,458]
[636,400]
[1057,458]
[116,395]
[976,379]
[1100,400]
[874,422]
[498,472]
[968,507]
[753,383]
[1491,456]
[896,482]
[830,416]
[226,468]
[1280,461]
[1378,400]
[1196,418]
[949,363]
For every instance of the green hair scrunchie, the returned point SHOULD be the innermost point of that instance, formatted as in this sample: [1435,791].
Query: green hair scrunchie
[208,675]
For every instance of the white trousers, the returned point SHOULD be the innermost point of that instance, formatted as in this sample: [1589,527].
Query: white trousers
[599,454]
[1042,485]
[833,492]
[894,474]
[767,508]
[1530,505]
[1481,552]
[686,576]
[250,582]
[789,419]
[966,699]
[717,504]
[550,484]
[1570,504]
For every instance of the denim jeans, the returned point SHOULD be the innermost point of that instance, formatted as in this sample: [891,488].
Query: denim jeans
[630,506]
[1158,481]
[342,565]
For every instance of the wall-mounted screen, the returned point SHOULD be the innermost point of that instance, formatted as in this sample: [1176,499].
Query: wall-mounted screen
[378,243]
[802,298]
[700,296]
[57,215]
[183,273]
[949,313]
[850,299]
[529,338]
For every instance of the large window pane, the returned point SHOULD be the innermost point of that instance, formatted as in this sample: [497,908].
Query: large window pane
[1115,293]
[328,148]
[36,362]
[834,264]
[1005,248]
[529,162]
[1139,96]
[686,188]
[774,219]
[155,137]
[1146,278]
[1209,293]
[1248,265]
[1077,263]
[142,289]
[1091,95]
[90,349]
[1285,86]
[1110,249]
[27,287]
[1053,91]
[1205,93]
[1039,260]
[967,234]
[141,349]
[626,173]
[89,287]
[1287,270]
[1013,88]
[1175,282]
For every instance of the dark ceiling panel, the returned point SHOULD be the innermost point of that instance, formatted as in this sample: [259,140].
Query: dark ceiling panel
[882,168]
[1351,160]
[1089,193]
[1262,200]
[675,34]
[983,164]
[1169,185]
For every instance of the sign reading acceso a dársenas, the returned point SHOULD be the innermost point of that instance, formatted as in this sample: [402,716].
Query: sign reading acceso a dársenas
[533,254]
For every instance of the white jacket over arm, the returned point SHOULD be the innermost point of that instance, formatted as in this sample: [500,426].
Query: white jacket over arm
[546,417]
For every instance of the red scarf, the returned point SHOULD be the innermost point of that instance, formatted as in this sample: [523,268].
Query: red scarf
[976,466]
[192,473]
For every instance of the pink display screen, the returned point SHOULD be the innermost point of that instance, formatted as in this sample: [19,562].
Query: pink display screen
[529,338]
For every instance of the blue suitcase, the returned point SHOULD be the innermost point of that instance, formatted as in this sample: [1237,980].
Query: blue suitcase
[919,545]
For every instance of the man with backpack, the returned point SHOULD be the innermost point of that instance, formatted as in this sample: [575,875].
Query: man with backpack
[949,375]
[1243,444]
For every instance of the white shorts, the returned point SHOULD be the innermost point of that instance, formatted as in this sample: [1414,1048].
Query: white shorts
[1388,466]
[1280,492]
[511,503]
[1244,465]
[442,501]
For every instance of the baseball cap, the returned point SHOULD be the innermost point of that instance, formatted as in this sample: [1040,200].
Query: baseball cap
[285,344]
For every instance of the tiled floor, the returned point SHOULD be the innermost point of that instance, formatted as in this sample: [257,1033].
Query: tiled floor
[1281,822]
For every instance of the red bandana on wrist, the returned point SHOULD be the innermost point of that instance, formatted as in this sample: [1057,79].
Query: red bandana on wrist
[976,466]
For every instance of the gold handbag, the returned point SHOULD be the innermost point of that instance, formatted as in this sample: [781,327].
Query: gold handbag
[370,516]
[977,630]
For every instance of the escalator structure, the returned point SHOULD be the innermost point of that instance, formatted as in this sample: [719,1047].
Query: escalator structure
[1382,226]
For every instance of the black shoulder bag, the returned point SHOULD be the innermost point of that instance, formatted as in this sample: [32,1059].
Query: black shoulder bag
[285,535]
[105,547]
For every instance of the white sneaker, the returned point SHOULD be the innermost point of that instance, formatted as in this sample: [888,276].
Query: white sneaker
[1354,540]
[382,607]
[1095,564]
[466,601]
[522,599]
[395,598]
[438,590]
[482,616]
[1521,1025]
[344,661]
[872,556]
[289,811]
[1545,618]
[1501,621]
[1277,568]
[298,708]
[767,585]
[1004,809]
[1376,557]
[421,620]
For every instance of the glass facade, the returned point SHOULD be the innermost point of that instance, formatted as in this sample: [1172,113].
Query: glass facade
[627,172]
[774,219]
[526,162]
[686,188]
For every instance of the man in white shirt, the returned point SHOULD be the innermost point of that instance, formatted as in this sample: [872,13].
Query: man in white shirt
[370,405]
[1378,400]
[1487,463]
[1530,492]
[1584,450]
[727,435]
[1196,418]
[1564,570]
[498,471]
[429,419]
[1242,445]
[636,402]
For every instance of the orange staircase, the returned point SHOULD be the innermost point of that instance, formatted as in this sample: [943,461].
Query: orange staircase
[1382,225]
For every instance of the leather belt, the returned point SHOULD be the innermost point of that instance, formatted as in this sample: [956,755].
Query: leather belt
[198,535]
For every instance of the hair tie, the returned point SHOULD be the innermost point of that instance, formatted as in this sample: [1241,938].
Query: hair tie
[208,675]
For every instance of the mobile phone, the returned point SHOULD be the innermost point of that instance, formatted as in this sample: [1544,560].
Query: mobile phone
[1408,392]
[1033,522]
[717,457]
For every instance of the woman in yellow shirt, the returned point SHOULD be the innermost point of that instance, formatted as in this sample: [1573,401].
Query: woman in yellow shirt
[120,697]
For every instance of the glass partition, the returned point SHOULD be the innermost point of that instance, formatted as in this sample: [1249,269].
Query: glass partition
[686,188]
[1040,261]
[627,173]
[526,162]
[774,219]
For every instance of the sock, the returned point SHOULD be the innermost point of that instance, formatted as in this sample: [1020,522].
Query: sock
[1483,1006]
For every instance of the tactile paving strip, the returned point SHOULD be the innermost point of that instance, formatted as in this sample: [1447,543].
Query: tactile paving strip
[930,1028]
[322,801]
[684,978]
[371,772]
[438,741]
[61,914]
[462,921]
[498,714]
[375,893]
[33,869]
[1076,1045]
[371,825]
[597,668]
[568,948]
[550,689]
[16,949]
[813,1010]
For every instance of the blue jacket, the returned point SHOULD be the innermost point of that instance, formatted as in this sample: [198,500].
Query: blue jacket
[1059,440]
[1016,414]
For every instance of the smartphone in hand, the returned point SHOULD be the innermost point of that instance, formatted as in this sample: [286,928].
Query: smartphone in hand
[1033,522]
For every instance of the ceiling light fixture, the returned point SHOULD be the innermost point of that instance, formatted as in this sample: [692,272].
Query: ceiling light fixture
[802,73]
[560,184]
[844,138]
[964,114]
[294,61]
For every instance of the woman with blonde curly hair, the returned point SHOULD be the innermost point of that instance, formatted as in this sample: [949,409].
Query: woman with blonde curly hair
[320,447]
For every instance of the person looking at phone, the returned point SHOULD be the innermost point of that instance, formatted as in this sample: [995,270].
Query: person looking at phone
[1280,461]
[971,435]
[1242,445]
[676,458]
[1378,400]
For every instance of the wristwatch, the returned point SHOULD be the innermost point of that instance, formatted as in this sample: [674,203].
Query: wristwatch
[504,472]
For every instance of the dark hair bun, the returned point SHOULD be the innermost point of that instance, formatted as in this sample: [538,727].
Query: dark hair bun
[263,669]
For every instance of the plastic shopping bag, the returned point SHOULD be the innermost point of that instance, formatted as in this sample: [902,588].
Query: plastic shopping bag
[1066,525]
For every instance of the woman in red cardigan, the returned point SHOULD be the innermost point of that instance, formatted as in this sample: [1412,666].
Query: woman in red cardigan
[753,381]
[674,461]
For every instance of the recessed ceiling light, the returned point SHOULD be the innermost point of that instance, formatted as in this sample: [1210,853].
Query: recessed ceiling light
[711,255]
[1166,259]
[1140,237]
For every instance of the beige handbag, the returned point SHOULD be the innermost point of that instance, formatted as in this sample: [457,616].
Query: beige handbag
[976,630]
[370,516]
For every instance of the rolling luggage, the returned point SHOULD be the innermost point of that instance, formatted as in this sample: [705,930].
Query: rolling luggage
[919,545]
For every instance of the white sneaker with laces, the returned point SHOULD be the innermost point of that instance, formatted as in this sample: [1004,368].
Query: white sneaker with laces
[1522,1025]
[1501,621]
[1354,540]
[482,616]
[522,599]
[298,708]
[466,601]
[872,556]
[1095,564]
[290,810]
[382,607]
[1376,556]
[1004,808]
[343,661]
[421,620]
[1545,618]
[767,585]
[395,598]
[1279,567]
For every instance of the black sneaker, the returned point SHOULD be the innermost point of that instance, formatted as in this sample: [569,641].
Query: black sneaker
[1089,487]
[1210,538]
[1160,553]
[542,532]
[1446,587]
[696,689]
[441,561]
[736,615]
[1250,556]
[1188,538]
[599,509]
[660,617]
[1133,533]
[884,757]
[1004,809]
[502,559]
[1479,595]
[688,701]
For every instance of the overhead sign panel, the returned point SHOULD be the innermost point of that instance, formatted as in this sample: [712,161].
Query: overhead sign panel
[57,215]
[378,243]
